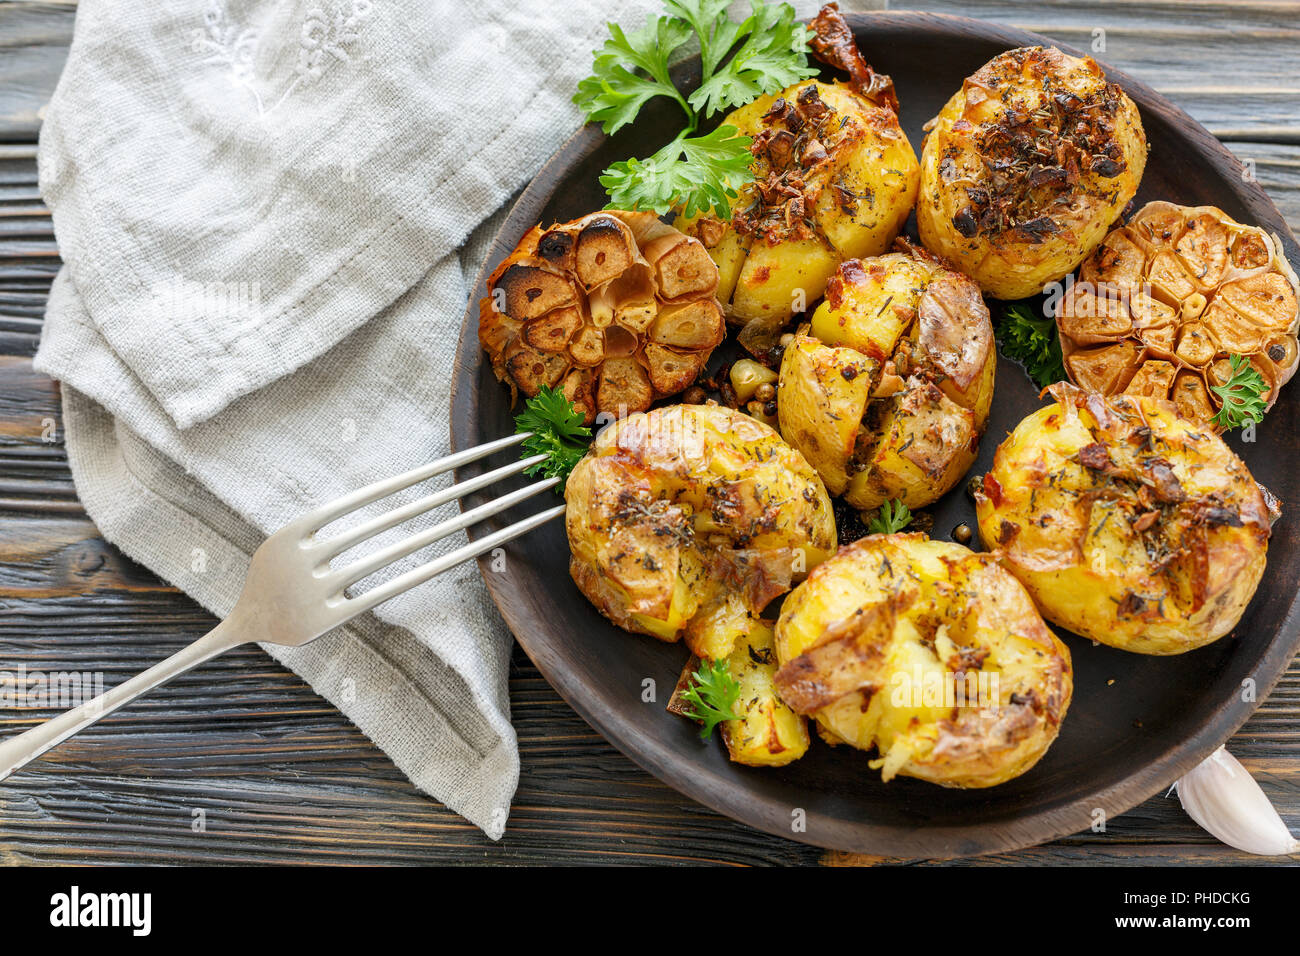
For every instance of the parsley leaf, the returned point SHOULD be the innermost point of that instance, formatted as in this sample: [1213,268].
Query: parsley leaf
[764,53]
[1032,341]
[614,94]
[557,432]
[892,516]
[716,31]
[697,173]
[774,55]
[712,696]
[1243,395]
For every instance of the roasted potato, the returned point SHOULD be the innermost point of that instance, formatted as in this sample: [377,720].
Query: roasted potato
[835,179]
[616,308]
[1026,167]
[888,391]
[768,733]
[1166,300]
[1129,524]
[688,520]
[929,653]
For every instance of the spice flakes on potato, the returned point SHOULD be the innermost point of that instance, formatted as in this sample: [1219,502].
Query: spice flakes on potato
[1129,524]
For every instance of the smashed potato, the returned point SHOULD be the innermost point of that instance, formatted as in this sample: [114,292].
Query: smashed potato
[768,733]
[617,309]
[929,653]
[1129,524]
[690,519]
[835,179]
[1165,301]
[1026,167]
[889,390]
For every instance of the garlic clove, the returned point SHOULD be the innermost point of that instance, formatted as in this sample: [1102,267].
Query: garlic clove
[1225,800]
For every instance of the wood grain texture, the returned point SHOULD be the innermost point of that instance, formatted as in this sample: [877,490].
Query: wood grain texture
[34,39]
[282,777]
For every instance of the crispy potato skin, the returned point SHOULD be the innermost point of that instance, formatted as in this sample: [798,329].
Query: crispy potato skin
[1128,524]
[902,319]
[769,733]
[819,408]
[1018,94]
[871,646]
[857,202]
[686,521]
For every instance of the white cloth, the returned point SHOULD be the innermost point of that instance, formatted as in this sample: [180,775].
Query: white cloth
[265,210]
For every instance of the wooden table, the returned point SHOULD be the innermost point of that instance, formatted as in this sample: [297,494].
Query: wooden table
[278,773]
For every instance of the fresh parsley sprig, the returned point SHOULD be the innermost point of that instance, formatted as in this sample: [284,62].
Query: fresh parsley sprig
[712,696]
[695,174]
[1032,341]
[614,94]
[1243,395]
[773,55]
[708,19]
[892,516]
[764,53]
[557,433]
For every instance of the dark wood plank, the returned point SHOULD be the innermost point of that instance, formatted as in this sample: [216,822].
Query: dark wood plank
[34,39]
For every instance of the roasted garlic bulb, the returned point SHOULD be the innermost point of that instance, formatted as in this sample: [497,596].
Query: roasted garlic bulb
[1128,523]
[1165,301]
[688,520]
[835,179]
[888,390]
[616,308]
[929,653]
[1026,167]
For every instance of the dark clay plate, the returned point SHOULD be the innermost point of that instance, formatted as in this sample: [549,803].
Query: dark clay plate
[1121,742]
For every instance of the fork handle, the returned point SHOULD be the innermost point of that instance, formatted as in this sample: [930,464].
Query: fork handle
[17,752]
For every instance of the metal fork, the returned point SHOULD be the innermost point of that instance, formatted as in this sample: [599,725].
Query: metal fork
[292,595]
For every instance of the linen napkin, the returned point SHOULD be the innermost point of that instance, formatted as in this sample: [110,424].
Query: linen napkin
[270,213]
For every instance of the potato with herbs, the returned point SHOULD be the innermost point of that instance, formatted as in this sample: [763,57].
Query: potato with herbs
[1165,303]
[764,731]
[834,178]
[616,309]
[1129,524]
[928,653]
[888,391]
[686,521]
[1026,167]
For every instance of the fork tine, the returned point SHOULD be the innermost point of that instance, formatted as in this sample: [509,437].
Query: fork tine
[315,520]
[336,545]
[416,576]
[364,567]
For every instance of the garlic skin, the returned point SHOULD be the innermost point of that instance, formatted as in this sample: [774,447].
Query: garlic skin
[1225,800]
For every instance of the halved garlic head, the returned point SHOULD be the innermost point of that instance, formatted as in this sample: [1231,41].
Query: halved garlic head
[1165,301]
[616,308]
